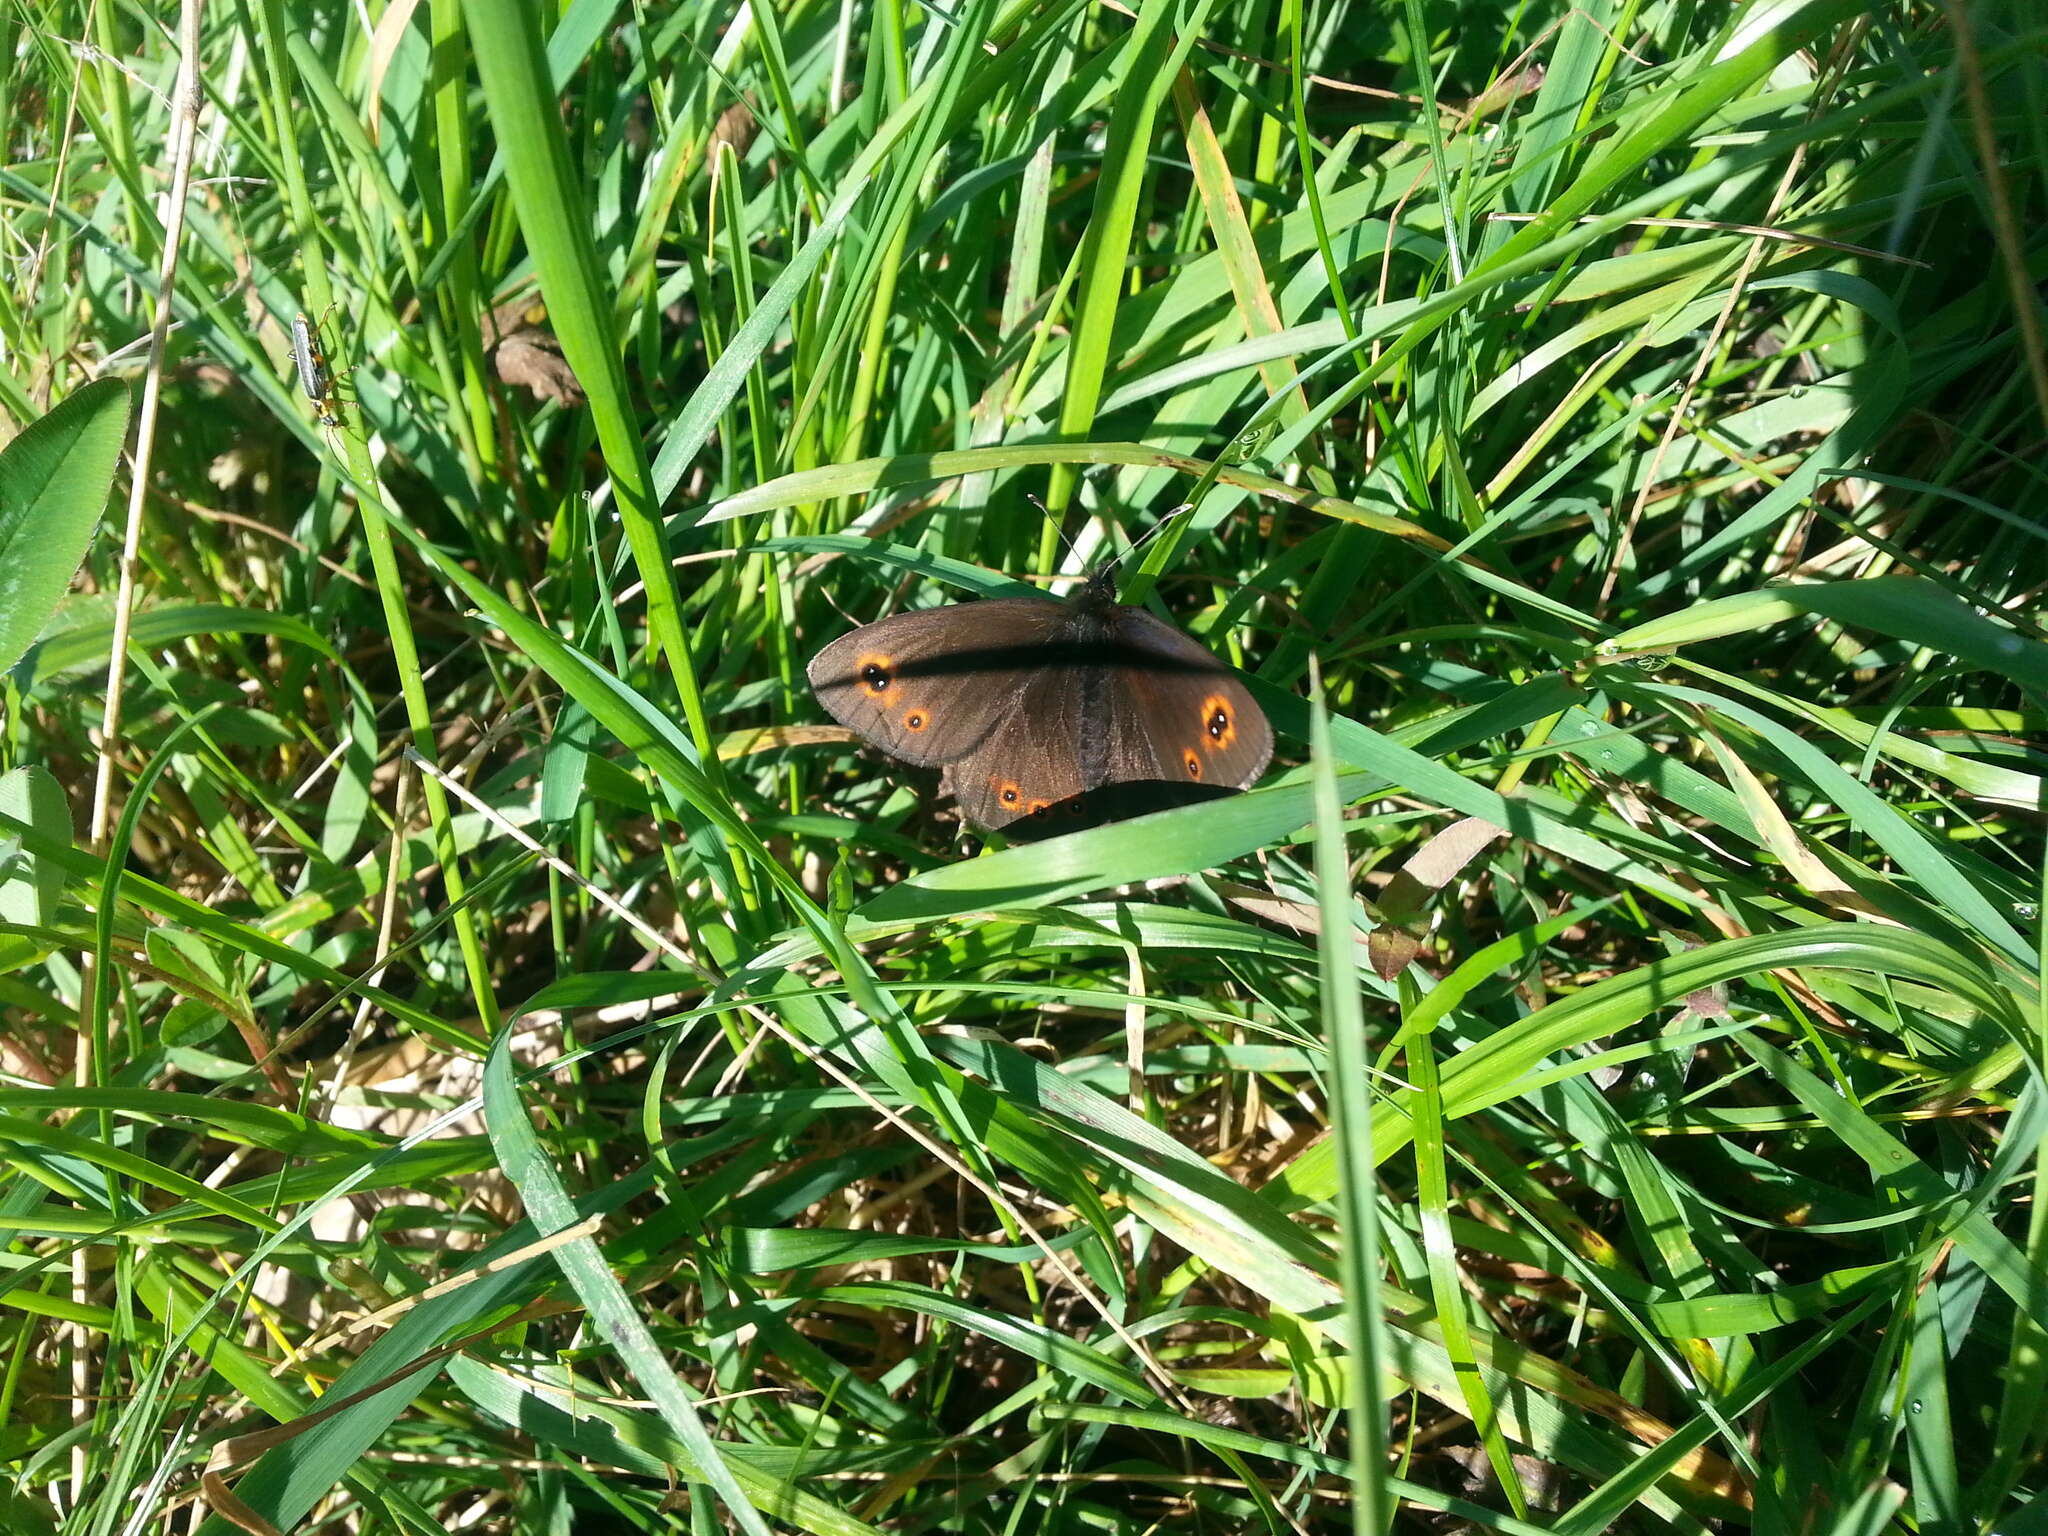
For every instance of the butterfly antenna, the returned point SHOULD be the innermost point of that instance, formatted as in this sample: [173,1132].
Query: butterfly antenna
[1147,536]
[1050,521]
[1052,525]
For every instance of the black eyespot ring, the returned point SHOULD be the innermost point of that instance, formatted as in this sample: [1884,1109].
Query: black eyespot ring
[1219,722]
[875,677]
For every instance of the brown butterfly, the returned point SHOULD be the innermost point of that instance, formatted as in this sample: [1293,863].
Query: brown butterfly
[1048,716]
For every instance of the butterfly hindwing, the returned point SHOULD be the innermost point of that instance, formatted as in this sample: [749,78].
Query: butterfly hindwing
[1029,766]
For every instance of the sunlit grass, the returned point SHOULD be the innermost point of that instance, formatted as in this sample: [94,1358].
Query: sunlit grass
[535,1075]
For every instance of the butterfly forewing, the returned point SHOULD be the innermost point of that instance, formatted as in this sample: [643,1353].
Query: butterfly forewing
[1178,714]
[926,688]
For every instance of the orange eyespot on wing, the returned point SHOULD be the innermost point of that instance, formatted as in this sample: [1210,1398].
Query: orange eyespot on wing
[1219,723]
[916,720]
[1192,763]
[874,672]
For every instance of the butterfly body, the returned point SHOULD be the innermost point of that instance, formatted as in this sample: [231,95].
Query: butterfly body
[1048,715]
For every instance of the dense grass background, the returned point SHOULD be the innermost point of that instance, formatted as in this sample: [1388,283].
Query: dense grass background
[481,1055]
